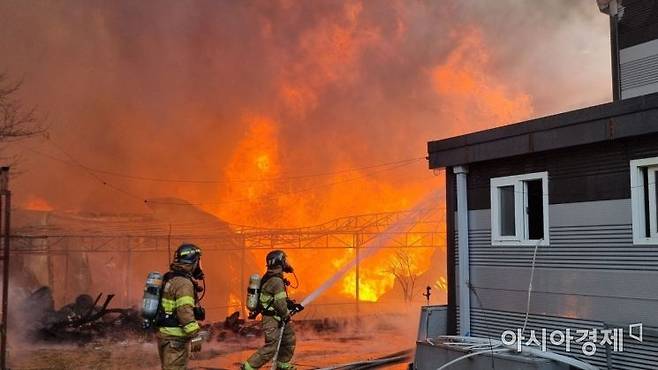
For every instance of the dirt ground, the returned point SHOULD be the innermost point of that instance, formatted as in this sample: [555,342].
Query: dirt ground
[313,351]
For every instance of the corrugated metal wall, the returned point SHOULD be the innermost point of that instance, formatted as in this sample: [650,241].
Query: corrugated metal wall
[638,43]
[639,69]
[580,174]
[635,355]
[639,22]
[601,247]
[638,73]
[591,274]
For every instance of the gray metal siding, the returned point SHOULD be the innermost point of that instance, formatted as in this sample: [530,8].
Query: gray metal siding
[639,23]
[639,69]
[580,174]
[602,247]
[585,235]
[591,274]
[640,72]
[492,323]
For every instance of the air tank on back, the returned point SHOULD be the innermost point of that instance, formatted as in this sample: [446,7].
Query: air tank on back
[253,292]
[151,299]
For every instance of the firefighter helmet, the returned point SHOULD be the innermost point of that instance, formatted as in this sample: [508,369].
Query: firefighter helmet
[187,254]
[278,258]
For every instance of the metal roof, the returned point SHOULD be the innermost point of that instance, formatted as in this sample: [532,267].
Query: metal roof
[610,121]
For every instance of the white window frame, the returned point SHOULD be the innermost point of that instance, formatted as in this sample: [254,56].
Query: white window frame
[637,201]
[520,205]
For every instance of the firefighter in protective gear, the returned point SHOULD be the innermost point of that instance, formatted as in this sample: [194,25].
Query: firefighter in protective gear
[178,328]
[276,310]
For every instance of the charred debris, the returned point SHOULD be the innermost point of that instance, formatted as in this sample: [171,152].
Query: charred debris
[88,319]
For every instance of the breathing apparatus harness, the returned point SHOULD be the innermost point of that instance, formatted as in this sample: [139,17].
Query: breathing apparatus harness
[154,315]
[259,308]
[274,259]
[164,319]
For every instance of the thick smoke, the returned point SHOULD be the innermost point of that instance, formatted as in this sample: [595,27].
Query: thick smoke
[248,91]
[171,89]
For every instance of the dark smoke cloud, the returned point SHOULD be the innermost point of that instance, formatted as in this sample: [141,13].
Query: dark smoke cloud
[166,88]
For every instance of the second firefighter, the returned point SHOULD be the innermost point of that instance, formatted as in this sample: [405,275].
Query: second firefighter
[276,309]
[178,322]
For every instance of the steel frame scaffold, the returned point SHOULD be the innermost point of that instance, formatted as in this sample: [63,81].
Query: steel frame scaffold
[62,235]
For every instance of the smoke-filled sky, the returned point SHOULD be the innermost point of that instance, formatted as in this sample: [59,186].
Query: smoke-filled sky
[253,90]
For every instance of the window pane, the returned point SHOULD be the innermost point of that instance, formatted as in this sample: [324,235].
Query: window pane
[535,210]
[507,223]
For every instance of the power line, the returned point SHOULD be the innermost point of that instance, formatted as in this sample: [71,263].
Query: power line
[75,162]
[382,167]
[226,181]
[281,195]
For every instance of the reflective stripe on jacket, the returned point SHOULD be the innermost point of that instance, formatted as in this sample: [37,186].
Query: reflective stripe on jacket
[274,298]
[178,299]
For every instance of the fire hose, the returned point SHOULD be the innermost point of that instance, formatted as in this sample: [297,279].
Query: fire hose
[278,347]
[297,309]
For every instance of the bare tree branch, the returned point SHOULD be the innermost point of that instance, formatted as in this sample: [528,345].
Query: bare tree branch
[402,268]
[16,121]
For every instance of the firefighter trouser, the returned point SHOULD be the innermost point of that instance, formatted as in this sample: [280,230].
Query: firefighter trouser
[265,353]
[173,352]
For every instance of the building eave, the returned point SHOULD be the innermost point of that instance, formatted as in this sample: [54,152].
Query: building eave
[610,121]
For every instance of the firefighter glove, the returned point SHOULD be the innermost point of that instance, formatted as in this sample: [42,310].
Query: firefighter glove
[197,341]
[297,308]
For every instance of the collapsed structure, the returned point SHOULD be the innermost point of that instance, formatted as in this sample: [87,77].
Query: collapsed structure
[553,229]
[72,254]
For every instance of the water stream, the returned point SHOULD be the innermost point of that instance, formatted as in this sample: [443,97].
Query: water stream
[382,239]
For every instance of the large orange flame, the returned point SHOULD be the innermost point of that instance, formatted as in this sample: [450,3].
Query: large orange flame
[468,92]
[263,166]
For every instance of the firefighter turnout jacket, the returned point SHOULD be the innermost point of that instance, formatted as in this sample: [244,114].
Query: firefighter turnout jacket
[274,308]
[273,296]
[177,305]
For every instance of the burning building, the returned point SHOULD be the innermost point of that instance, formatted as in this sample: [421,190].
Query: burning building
[74,253]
